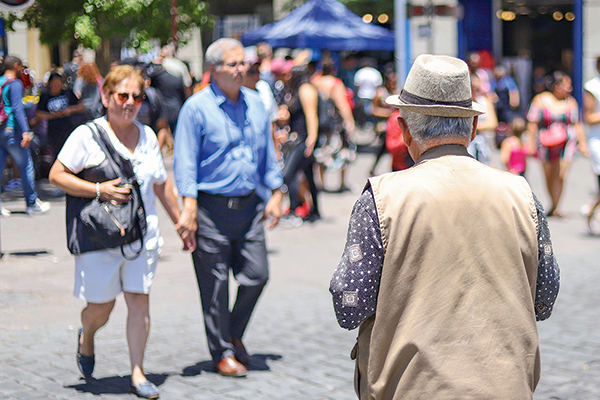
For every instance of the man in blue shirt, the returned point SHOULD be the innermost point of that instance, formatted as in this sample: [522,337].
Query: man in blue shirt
[226,170]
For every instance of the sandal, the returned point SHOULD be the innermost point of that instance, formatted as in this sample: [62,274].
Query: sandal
[555,214]
[145,390]
[85,363]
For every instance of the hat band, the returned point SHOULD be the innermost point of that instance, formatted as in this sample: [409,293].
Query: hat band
[410,98]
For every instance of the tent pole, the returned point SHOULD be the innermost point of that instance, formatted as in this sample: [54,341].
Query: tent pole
[402,39]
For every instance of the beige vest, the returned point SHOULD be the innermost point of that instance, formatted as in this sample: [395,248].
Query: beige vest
[455,316]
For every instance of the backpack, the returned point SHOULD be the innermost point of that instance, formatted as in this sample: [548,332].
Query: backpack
[3,114]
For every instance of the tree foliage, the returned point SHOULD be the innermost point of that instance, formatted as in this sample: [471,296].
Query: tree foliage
[89,21]
[359,7]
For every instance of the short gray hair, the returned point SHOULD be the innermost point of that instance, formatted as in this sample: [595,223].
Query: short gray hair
[215,54]
[426,127]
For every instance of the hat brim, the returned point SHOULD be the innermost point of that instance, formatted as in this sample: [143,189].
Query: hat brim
[437,109]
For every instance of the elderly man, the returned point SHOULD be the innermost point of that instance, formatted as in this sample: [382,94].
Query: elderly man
[225,168]
[447,264]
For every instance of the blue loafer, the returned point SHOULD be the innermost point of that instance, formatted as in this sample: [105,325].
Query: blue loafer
[145,390]
[85,363]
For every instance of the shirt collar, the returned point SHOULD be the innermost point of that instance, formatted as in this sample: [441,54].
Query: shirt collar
[222,98]
[444,150]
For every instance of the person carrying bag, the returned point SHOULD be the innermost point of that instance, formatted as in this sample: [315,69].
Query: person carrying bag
[112,172]
[94,224]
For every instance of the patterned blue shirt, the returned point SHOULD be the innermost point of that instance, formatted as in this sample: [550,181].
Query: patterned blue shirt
[364,242]
[225,148]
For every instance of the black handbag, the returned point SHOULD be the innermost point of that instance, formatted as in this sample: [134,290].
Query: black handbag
[93,224]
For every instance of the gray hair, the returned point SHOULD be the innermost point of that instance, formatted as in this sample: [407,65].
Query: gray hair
[215,54]
[426,127]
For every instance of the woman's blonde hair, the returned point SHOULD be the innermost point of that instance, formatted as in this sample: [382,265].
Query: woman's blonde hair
[119,74]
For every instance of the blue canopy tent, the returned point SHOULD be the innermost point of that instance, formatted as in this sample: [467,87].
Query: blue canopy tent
[322,24]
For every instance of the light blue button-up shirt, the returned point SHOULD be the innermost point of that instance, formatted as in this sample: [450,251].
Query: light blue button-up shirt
[225,148]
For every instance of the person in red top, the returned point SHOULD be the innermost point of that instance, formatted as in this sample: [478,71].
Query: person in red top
[395,144]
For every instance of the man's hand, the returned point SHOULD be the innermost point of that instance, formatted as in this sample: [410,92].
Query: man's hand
[273,209]
[187,225]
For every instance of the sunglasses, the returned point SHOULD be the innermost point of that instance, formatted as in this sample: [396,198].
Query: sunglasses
[138,98]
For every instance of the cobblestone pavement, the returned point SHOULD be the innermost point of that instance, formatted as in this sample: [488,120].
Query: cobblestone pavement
[298,351]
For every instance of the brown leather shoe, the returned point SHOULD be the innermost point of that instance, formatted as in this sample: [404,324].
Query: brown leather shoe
[229,366]
[240,351]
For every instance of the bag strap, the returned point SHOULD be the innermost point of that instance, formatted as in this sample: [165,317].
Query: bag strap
[123,165]
[7,81]
[106,148]
[117,162]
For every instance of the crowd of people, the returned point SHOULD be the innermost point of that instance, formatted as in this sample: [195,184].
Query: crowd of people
[251,141]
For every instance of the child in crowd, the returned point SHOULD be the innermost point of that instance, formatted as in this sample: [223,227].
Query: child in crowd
[513,152]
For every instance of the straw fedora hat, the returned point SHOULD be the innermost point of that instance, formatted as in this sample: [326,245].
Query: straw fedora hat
[440,86]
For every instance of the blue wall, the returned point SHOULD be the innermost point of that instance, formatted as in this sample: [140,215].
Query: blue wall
[475,30]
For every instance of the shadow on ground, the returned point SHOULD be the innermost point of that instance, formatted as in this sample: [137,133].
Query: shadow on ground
[30,253]
[114,384]
[258,362]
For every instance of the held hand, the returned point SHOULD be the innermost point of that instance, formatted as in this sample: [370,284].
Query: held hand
[273,209]
[186,228]
[112,191]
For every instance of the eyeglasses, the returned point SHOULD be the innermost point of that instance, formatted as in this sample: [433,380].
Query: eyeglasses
[234,64]
[138,98]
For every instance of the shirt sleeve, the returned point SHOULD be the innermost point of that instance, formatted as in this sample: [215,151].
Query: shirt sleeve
[160,173]
[16,102]
[186,153]
[548,275]
[355,282]
[80,150]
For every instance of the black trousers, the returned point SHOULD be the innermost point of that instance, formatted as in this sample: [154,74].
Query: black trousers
[230,237]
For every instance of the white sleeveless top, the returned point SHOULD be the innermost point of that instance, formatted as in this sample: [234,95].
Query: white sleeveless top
[593,86]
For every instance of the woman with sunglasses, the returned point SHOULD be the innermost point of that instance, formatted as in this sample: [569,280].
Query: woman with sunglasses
[101,275]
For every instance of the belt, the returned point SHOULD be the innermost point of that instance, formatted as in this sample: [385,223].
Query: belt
[233,202]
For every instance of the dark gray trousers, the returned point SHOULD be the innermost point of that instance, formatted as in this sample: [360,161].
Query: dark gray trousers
[230,236]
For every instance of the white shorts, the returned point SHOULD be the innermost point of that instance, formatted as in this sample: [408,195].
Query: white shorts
[101,275]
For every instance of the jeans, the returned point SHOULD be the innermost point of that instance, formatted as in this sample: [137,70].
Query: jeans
[11,145]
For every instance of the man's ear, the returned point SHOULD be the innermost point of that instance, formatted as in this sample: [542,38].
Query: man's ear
[406,136]
[474,133]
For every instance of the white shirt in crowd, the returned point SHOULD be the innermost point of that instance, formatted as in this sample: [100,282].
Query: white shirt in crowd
[367,80]
[81,151]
